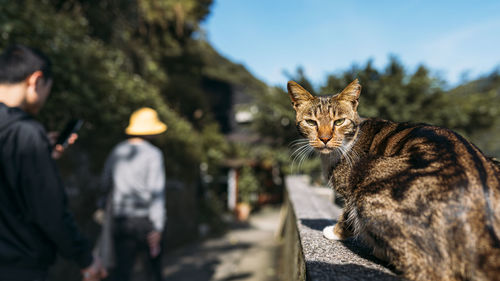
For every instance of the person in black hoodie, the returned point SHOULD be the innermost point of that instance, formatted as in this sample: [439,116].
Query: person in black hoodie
[35,223]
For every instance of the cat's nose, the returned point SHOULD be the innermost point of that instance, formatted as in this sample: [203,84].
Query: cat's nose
[325,139]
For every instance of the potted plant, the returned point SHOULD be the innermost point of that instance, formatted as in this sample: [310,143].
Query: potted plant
[248,186]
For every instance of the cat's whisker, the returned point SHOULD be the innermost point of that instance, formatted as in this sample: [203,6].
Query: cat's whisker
[352,156]
[355,155]
[346,154]
[296,146]
[298,154]
[305,155]
[298,142]
[307,151]
[299,149]
[411,205]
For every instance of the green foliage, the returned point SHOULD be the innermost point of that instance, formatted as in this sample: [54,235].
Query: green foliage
[248,185]
[477,107]
[98,82]
[470,109]
[113,56]
[391,94]
[473,109]
[110,58]
[215,148]
[301,78]
[275,117]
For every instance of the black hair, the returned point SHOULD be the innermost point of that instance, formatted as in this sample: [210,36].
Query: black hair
[18,62]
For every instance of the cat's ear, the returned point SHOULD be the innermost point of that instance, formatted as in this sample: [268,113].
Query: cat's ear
[351,92]
[298,95]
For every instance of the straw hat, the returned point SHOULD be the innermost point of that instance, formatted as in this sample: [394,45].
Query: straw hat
[145,122]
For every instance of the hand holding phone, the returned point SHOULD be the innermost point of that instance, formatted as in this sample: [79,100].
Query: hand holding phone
[71,127]
[66,137]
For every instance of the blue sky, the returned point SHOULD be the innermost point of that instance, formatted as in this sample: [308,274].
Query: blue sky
[328,36]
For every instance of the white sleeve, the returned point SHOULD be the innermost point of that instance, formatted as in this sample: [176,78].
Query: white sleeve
[156,183]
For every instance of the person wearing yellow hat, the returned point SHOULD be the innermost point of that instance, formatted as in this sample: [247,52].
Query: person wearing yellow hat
[145,122]
[134,174]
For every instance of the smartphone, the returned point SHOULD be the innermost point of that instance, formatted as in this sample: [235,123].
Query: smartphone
[71,127]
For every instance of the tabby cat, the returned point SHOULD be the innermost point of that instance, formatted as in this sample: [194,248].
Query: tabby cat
[422,197]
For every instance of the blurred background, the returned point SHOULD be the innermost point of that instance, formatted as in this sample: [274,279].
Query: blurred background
[216,71]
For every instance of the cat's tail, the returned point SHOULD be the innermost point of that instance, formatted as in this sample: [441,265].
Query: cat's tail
[483,164]
[489,205]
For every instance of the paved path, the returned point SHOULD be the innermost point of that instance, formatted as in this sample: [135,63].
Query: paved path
[245,253]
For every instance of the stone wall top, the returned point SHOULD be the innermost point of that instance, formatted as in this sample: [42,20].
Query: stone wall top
[325,259]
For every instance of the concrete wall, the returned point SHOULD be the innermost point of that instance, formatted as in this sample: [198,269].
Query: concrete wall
[307,254]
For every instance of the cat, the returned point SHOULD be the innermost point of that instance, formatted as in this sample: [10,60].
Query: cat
[425,199]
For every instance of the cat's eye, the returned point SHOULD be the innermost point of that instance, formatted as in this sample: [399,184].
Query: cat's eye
[339,122]
[311,122]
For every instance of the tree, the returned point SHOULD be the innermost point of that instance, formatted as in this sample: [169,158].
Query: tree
[104,69]
[392,93]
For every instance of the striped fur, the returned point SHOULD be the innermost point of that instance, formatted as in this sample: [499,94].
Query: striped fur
[423,197]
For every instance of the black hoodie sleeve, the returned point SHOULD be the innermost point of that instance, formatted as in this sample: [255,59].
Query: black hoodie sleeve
[46,199]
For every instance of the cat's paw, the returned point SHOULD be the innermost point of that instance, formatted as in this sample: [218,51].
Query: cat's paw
[328,233]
